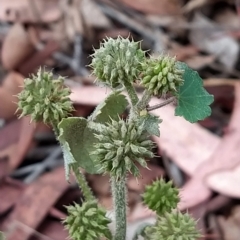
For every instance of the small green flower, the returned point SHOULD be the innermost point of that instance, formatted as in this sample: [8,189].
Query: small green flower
[162,75]
[117,60]
[121,144]
[174,226]
[44,98]
[87,222]
[161,196]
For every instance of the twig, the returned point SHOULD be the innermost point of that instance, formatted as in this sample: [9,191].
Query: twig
[171,99]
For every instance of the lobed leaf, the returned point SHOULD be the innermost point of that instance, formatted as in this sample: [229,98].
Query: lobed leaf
[193,99]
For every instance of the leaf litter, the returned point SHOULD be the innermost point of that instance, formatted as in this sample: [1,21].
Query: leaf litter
[59,35]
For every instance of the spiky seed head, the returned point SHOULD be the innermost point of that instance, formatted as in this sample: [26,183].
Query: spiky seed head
[117,60]
[121,145]
[161,76]
[88,221]
[44,98]
[174,226]
[161,196]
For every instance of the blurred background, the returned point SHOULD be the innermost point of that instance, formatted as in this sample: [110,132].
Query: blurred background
[203,159]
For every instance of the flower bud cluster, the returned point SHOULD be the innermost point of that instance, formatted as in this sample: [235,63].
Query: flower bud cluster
[87,222]
[121,145]
[175,226]
[161,196]
[162,75]
[44,98]
[117,60]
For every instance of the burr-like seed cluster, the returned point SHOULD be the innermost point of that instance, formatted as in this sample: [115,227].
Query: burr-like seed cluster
[117,60]
[121,145]
[175,226]
[44,98]
[162,75]
[87,222]
[161,196]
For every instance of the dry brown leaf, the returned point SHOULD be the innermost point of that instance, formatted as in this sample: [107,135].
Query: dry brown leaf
[146,178]
[182,52]
[10,88]
[24,143]
[140,212]
[16,139]
[33,11]
[162,7]
[206,37]
[16,47]
[227,18]
[199,61]
[225,182]
[230,226]
[93,15]
[225,157]
[188,145]
[36,200]
[100,184]
[195,4]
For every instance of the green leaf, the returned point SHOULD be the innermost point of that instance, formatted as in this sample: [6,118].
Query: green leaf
[77,134]
[112,106]
[2,236]
[151,123]
[77,141]
[193,99]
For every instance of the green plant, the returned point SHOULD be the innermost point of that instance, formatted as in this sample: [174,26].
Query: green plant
[105,143]
[2,237]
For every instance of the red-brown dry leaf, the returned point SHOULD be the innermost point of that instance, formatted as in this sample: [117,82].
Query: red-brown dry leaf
[52,229]
[24,143]
[199,61]
[9,191]
[225,157]
[147,177]
[140,212]
[230,225]
[32,63]
[100,184]
[226,182]
[34,203]
[188,145]
[161,7]
[183,52]
[33,11]
[16,47]
[15,141]
[12,85]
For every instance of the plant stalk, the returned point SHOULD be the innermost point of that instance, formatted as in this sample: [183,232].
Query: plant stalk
[83,184]
[131,93]
[143,102]
[119,199]
[171,99]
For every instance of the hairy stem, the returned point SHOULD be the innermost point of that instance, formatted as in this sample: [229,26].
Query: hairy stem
[143,102]
[171,99]
[119,200]
[83,184]
[131,93]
